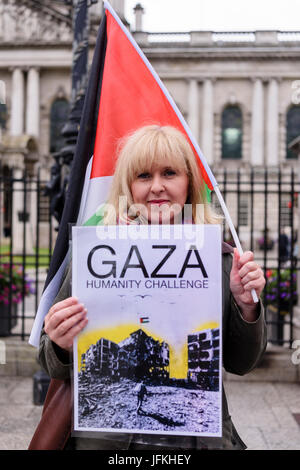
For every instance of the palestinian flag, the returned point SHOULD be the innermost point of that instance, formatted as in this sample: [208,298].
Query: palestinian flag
[124,93]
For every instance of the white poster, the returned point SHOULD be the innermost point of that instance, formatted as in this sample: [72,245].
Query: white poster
[149,359]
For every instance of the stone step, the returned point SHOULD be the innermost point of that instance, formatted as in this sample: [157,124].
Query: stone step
[17,358]
[277,365]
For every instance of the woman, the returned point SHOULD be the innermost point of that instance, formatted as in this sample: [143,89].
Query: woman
[158,177]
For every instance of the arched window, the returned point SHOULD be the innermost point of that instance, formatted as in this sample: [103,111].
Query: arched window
[292,129]
[58,118]
[232,133]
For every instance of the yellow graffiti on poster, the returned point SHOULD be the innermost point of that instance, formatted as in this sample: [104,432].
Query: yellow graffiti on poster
[178,357]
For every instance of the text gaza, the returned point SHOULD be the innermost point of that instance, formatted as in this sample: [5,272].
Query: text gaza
[134,251]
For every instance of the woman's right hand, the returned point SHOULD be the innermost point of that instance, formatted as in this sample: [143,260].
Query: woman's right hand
[64,321]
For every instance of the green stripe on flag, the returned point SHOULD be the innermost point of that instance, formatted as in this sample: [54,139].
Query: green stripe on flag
[97,218]
[94,220]
[208,193]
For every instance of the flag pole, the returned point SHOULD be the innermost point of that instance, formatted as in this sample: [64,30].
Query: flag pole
[233,231]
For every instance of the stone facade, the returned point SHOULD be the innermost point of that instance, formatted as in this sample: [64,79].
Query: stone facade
[204,71]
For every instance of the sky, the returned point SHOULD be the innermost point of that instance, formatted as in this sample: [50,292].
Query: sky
[217,15]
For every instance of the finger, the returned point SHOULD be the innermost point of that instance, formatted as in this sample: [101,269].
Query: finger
[245,258]
[256,284]
[69,323]
[62,304]
[246,268]
[252,275]
[73,332]
[235,260]
[59,316]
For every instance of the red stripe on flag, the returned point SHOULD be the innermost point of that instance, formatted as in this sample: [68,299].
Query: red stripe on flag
[130,98]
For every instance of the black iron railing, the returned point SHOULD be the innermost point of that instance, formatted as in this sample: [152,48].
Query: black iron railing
[264,206]
[27,236]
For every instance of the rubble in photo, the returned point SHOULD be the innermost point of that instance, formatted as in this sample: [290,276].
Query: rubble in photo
[111,376]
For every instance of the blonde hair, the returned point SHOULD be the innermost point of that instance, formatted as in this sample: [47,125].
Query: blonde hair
[137,154]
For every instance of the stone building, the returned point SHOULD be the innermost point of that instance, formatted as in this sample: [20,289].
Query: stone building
[139,356]
[239,92]
[203,359]
[102,358]
[147,356]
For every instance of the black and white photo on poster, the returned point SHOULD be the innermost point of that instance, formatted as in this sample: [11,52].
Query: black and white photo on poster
[149,360]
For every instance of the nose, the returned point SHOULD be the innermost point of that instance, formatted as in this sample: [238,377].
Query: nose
[157,185]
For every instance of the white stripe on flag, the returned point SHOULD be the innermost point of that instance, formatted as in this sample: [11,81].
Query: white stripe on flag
[46,302]
[97,193]
[81,213]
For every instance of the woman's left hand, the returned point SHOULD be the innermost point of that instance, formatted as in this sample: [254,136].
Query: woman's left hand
[246,275]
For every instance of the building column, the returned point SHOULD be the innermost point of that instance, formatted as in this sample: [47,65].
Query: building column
[193,108]
[119,7]
[97,9]
[272,123]
[17,102]
[1,20]
[257,128]
[138,11]
[33,102]
[207,128]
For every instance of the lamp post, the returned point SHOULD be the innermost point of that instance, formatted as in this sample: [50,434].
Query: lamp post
[56,187]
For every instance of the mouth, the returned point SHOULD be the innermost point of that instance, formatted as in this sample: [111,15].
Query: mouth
[158,201]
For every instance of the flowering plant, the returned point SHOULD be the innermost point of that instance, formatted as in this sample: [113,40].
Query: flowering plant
[281,288]
[14,284]
[267,244]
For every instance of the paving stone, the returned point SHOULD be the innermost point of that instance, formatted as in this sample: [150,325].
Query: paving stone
[284,417]
[283,439]
[262,419]
[262,413]
[14,441]
[290,396]
[18,416]
[253,437]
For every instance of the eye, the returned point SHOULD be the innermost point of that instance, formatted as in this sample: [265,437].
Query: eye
[169,172]
[144,175]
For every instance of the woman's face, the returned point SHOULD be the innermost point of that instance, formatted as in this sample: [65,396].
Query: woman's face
[161,192]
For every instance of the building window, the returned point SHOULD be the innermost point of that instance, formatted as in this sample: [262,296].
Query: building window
[292,129]
[243,210]
[58,118]
[3,116]
[44,206]
[285,210]
[232,133]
